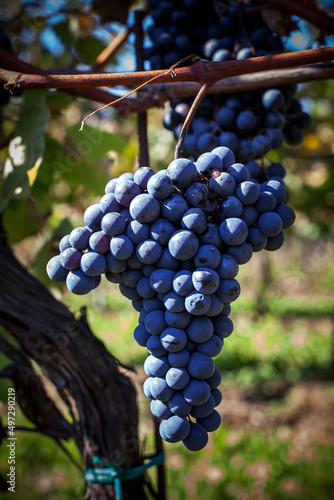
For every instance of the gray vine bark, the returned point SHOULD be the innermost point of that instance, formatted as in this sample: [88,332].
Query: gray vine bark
[100,399]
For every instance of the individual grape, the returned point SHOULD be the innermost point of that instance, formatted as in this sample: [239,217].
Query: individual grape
[173,208]
[79,237]
[127,176]
[275,242]
[270,224]
[244,53]
[113,224]
[216,306]
[276,170]
[242,253]
[160,389]
[226,311]
[174,429]
[197,438]
[183,245]
[246,120]
[65,243]
[257,239]
[160,185]
[144,208]
[277,189]
[155,322]
[125,213]
[121,247]
[197,303]
[200,329]
[93,217]
[182,172]
[79,283]
[177,378]
[223,326]
[142,175]
[197,392]
[167,261]
[99,242]
[204,410]
[160,409]
[179,359]
[144,288]
[211,236]
[228,290]
[222,185]
[250,215]
[225,154]
[197,195]
[217,396]
[162,280]
[233,231]
[177,319]
[215,379]
[273,99]
[55,270]
[70,258]
[210,423]
[206,142]
[108,203]
[161,231]
[148,269]
[174,302]
[230,207]
[287,215]
[114,265]
[111,186]
[226,118]
[222,55]
[182,283]
[178,405]
[136,304]
[207,163]
[149,251]
[248,192]
[194,220]
[207,256]
[129,292]
[131,277]
[155,347]
[211,347]
[156,367]
[239,172]
[147,388]
[228,267]
[137,232]
[173,339]
[93,264]
[229,140]
[205,280]
[266,202]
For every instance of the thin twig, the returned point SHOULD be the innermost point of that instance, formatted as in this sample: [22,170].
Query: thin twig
[203,90]
[104,57]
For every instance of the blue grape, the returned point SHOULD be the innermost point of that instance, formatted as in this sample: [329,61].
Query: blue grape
[144,288]
[156,367]
[257,239]
[160,389]
[222,55]
[174,429]
[244,53]
[242,253]
[207,256]
[155,322]
[93,264]
[114,265]
[230,207]
[211,347]
[228,267]
[197,195]
[211,236]
[222,185]
[270,224]
[206,142]
[167,260]
[250,215]
[178,405]
[200,329]
[277,189]
[93,217]
[70,258]
[233,231]
[197,303]
[273,99]
[144,208]
[183,245]
[215,379]
[142,175]
[246,121]
[228,290]
[173,339]
[65,243]
[179,359]
[99,242]
[177,378]
[137,232]
[173,207]
[174,302]
[207,163]
[197,438]
[131,277]
[160,185]
[182,283]
[239,172]
[266,202]
[136,304]
[226,117]
[155,347]
[55,270]
[216,306]
[217,396]
[248,192]
[197,392]
[226,311]
[149,251]
[204,410]
[275,242]
[121,247]
[229,140]
[162,280]
[182,172]
[129,292]
[79,283]
[160,409]
[245,151]
[178,320]
[194,220]
[212,422]
[205,280]
[108,203]
[161,231]
[147,388]
[111,186]
[79,237]
[223,326]
[287,215]
[225,154]
[113,224]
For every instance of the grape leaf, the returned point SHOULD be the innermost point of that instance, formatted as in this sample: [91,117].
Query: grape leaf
[112,10]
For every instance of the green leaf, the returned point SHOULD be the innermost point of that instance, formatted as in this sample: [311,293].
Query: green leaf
[87,49]
[19,220]
[58,100]
[25,152]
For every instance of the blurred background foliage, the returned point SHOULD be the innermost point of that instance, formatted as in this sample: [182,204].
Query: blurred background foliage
[277,437]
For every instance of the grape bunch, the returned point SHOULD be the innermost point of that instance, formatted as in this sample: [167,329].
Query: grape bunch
[173,242]
[250,123]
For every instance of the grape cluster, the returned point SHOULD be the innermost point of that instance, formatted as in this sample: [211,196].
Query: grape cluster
[251,123]
[173,242]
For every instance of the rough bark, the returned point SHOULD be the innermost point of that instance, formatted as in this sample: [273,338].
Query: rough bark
[100,399]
